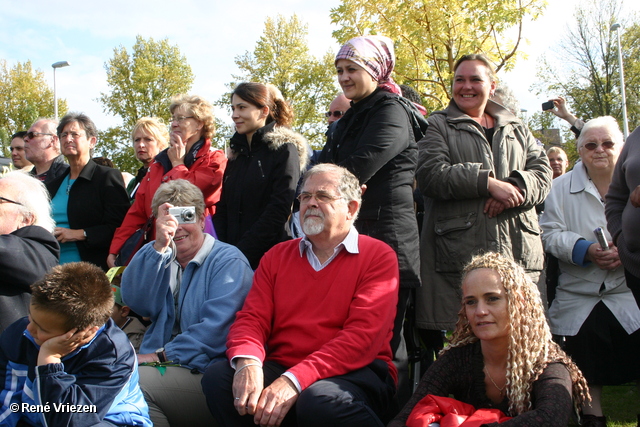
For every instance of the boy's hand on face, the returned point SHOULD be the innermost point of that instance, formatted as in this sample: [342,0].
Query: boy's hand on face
[54,349]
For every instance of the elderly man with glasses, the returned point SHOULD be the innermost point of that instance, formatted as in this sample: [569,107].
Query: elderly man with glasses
[28,250]
[311,345]
[42,148]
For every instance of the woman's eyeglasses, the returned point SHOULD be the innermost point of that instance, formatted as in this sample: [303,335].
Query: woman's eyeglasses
[607,145]
[180,119]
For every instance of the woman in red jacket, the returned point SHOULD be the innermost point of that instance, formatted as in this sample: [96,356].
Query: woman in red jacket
[189,157]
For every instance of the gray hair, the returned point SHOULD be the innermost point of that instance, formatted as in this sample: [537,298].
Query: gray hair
[33,197]
[83,120]
[178,192]
[348,185]
[607,122]
[505,97]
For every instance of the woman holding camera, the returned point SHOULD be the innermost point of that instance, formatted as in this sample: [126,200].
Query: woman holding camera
[191,286]
[189,157]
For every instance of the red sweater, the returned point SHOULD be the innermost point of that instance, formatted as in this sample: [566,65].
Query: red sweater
[320,323]
[205,173]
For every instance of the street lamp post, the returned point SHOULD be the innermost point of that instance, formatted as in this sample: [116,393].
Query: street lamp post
[55,65]
[616,27]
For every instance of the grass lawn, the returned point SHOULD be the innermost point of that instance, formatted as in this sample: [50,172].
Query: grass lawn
[621,404]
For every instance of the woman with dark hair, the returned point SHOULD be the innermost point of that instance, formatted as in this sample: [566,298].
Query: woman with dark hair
[501,354]
[376,141]
[189,157]
[88,200]
[265,161]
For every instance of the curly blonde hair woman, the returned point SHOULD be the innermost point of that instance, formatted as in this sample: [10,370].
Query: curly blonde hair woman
[501,354]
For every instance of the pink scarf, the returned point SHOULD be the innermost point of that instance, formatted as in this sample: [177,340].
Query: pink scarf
[376,55]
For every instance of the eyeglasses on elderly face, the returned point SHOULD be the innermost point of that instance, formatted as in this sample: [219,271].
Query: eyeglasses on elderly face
[607,145]
[336,113]
[321,197]
[32,135]
[5,200]
[180,119]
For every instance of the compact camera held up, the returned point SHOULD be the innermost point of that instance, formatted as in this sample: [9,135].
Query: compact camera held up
[184,214]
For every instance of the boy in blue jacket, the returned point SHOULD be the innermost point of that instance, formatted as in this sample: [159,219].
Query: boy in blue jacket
[68,364]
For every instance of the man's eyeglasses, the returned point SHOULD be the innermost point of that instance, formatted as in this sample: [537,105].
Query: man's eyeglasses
[32,135]
[320,196]
[5,200]
[180,119]
[336,113]
[607,145]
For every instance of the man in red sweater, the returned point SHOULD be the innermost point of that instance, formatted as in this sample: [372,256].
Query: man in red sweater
[311,346]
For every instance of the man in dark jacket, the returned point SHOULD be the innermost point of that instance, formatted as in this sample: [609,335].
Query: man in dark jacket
[42,148]
[27,248]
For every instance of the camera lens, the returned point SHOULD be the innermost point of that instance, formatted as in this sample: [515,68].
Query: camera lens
[188,215]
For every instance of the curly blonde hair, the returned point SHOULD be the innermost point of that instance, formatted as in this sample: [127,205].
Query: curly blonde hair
[531,347]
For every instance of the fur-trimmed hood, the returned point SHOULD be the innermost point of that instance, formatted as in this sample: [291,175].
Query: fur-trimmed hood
[275,137]
[282,135]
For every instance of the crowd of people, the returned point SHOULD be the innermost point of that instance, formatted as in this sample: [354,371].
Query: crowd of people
[275,285]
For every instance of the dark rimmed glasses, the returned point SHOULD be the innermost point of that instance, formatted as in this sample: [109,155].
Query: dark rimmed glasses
[336,113]
[32,135]
[607,145]
[5,200]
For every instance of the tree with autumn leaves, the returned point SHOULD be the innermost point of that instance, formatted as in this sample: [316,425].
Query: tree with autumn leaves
[24,97]
[431,35]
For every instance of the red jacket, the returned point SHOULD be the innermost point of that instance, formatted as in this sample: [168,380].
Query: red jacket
[205,173]
[451,413]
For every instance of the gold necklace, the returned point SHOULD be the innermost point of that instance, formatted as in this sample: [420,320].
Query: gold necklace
[501,390]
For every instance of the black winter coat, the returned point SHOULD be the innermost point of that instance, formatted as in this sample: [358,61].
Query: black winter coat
[26,255]
[258,189]
[97,204]
[376,141]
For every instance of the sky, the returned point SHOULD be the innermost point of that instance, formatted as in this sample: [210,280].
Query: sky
[209,33]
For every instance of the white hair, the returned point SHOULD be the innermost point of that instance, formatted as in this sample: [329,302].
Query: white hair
[33,198]
[607,122]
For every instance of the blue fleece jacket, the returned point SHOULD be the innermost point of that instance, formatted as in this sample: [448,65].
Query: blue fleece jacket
[213,288]
[103,374]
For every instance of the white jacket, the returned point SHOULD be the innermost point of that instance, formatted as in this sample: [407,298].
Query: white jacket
[573,210]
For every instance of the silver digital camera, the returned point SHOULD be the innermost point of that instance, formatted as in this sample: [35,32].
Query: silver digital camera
[184,214]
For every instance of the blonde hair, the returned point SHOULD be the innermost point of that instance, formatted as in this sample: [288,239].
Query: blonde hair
[154,127]
[531,347]
[200,109]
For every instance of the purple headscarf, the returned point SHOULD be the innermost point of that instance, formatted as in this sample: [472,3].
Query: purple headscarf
[376,55]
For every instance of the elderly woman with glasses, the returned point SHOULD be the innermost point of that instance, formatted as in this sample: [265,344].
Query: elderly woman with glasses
[189,157]
[191,286]
[88,200]
[593,309]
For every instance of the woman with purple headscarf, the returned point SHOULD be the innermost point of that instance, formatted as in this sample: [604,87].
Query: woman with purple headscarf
[376,141]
